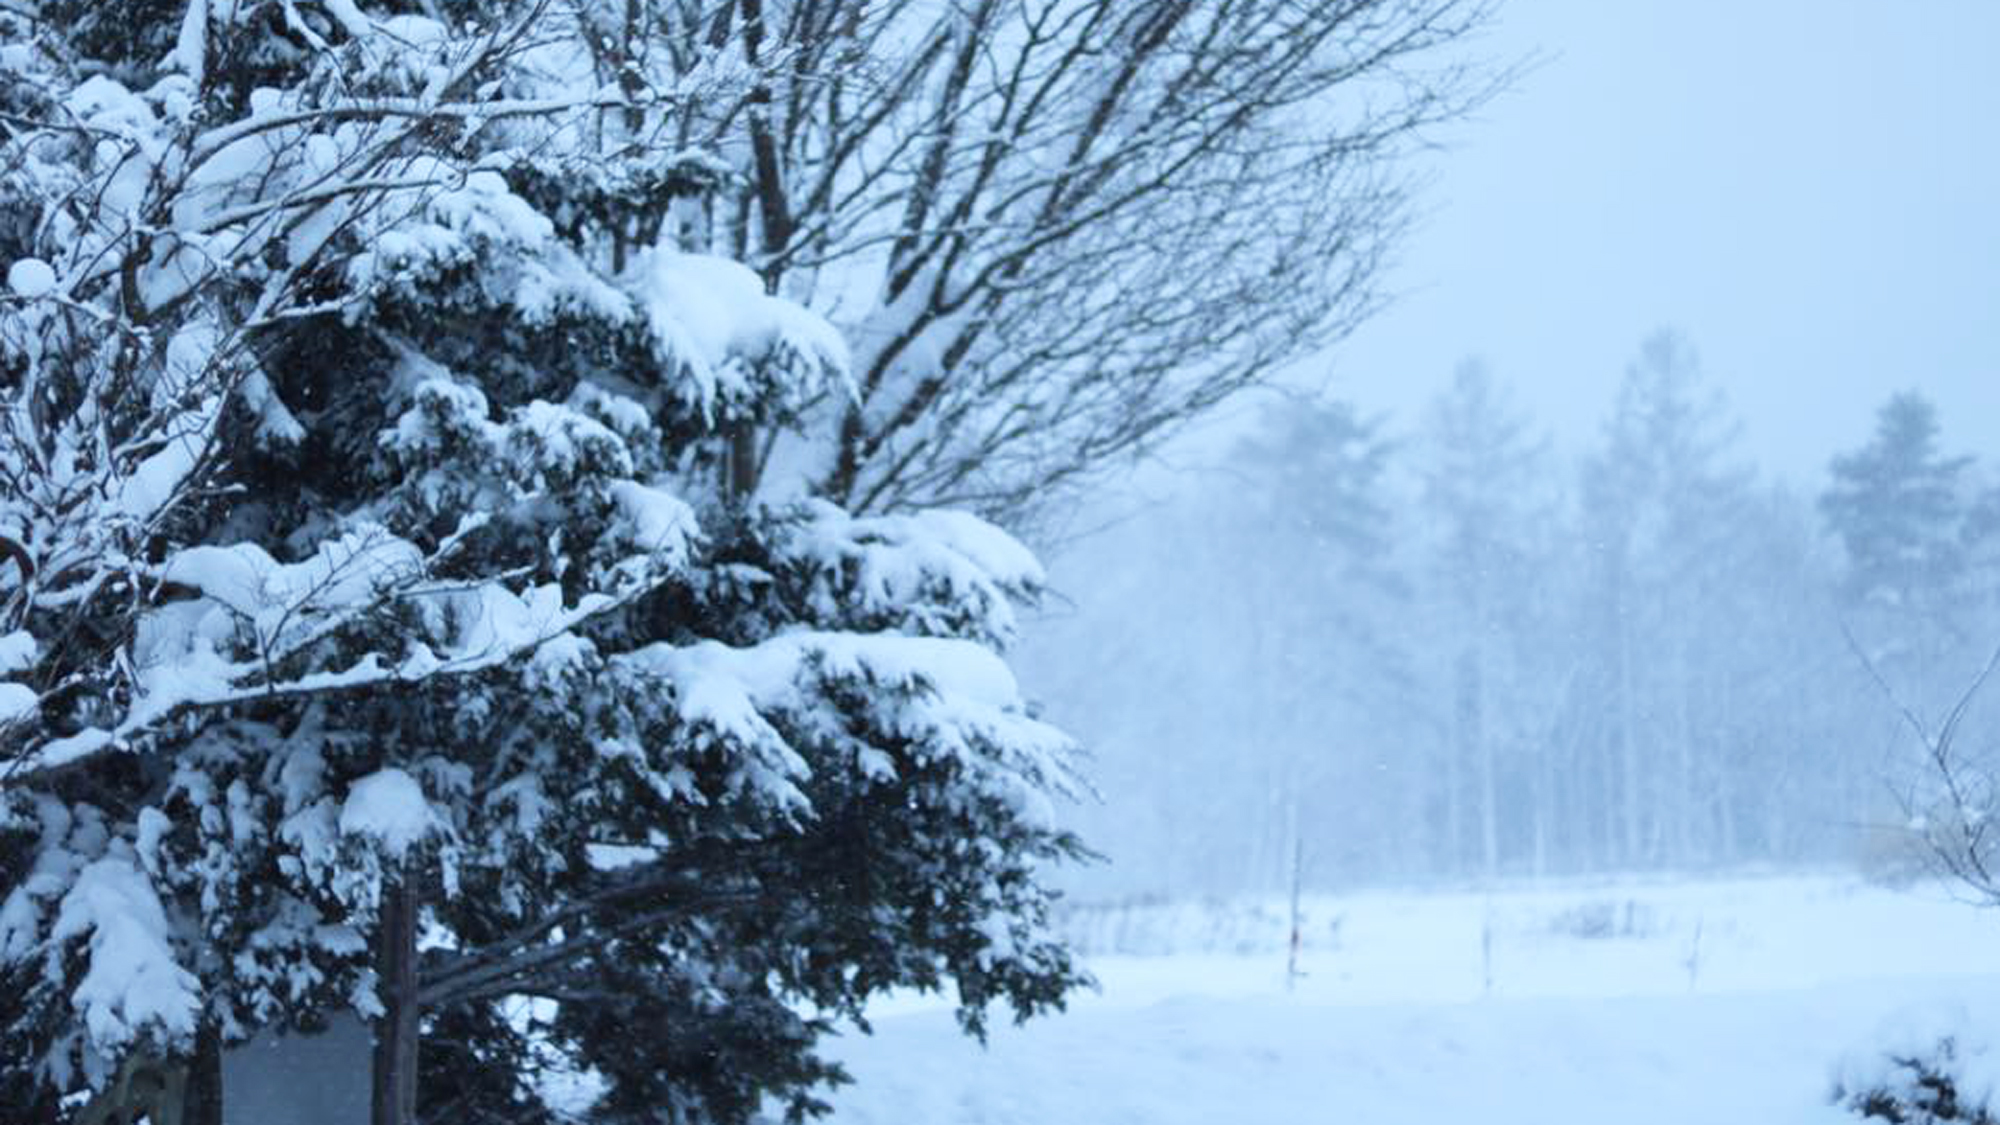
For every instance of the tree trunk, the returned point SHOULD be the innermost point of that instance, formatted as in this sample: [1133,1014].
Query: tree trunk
[742,471]
[1474,746]
[1543,798]
[394,1100]
[1632,761]
[1454,816]
[203,1104]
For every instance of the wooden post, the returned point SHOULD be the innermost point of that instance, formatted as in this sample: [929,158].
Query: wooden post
[394,1100]
[1693,961]
[1486,947]
[1292,970]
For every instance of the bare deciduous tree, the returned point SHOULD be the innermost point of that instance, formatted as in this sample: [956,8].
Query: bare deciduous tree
[1949,807]
[1055,230]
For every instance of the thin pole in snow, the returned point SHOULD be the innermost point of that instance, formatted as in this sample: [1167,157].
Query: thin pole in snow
[1292,970]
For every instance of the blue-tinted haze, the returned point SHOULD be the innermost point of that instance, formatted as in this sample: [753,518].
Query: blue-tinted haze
[1809,190]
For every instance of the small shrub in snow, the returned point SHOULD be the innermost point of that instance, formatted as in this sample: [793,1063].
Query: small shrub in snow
[1901,851]
[1917,1090]
[1152,925]
[1922,1077]
[1604,919]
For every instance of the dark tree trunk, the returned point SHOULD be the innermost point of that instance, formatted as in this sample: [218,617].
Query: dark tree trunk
[743,467]
[394,1100]
[203,1103]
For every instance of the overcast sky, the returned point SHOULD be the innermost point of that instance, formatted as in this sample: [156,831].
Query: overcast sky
[1808,189]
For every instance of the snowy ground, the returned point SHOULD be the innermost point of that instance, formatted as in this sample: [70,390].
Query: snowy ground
[1603,1005]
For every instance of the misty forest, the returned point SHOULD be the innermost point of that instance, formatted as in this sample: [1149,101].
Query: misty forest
[1440,651]
[715,562]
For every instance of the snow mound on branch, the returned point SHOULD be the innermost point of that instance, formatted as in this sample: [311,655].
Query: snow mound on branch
[926,566]
[17,701]
[17,651]
[725,686]
[244,577]
[712,310]
[31,277]
[494,619]
[389,807]
[654,520]
[955,699]
[963,672]
[155,480]
[472,216]
[133,984]
[181,649]
[1004,558]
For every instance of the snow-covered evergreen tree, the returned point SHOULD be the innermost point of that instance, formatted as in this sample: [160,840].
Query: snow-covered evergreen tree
[1918,547]
[1899,505]
[382,631]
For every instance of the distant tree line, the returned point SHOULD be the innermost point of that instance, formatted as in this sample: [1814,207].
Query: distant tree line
[1456,654]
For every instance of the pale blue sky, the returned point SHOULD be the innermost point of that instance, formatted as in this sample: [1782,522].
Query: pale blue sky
[1808,189]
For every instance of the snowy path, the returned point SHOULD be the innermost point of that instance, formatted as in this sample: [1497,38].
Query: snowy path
[1592,1031]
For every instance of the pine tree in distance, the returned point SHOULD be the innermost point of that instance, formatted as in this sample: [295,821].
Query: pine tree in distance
[1898,507]
[390,636]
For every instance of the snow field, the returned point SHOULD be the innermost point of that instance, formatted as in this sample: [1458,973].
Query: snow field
[1592,1015]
